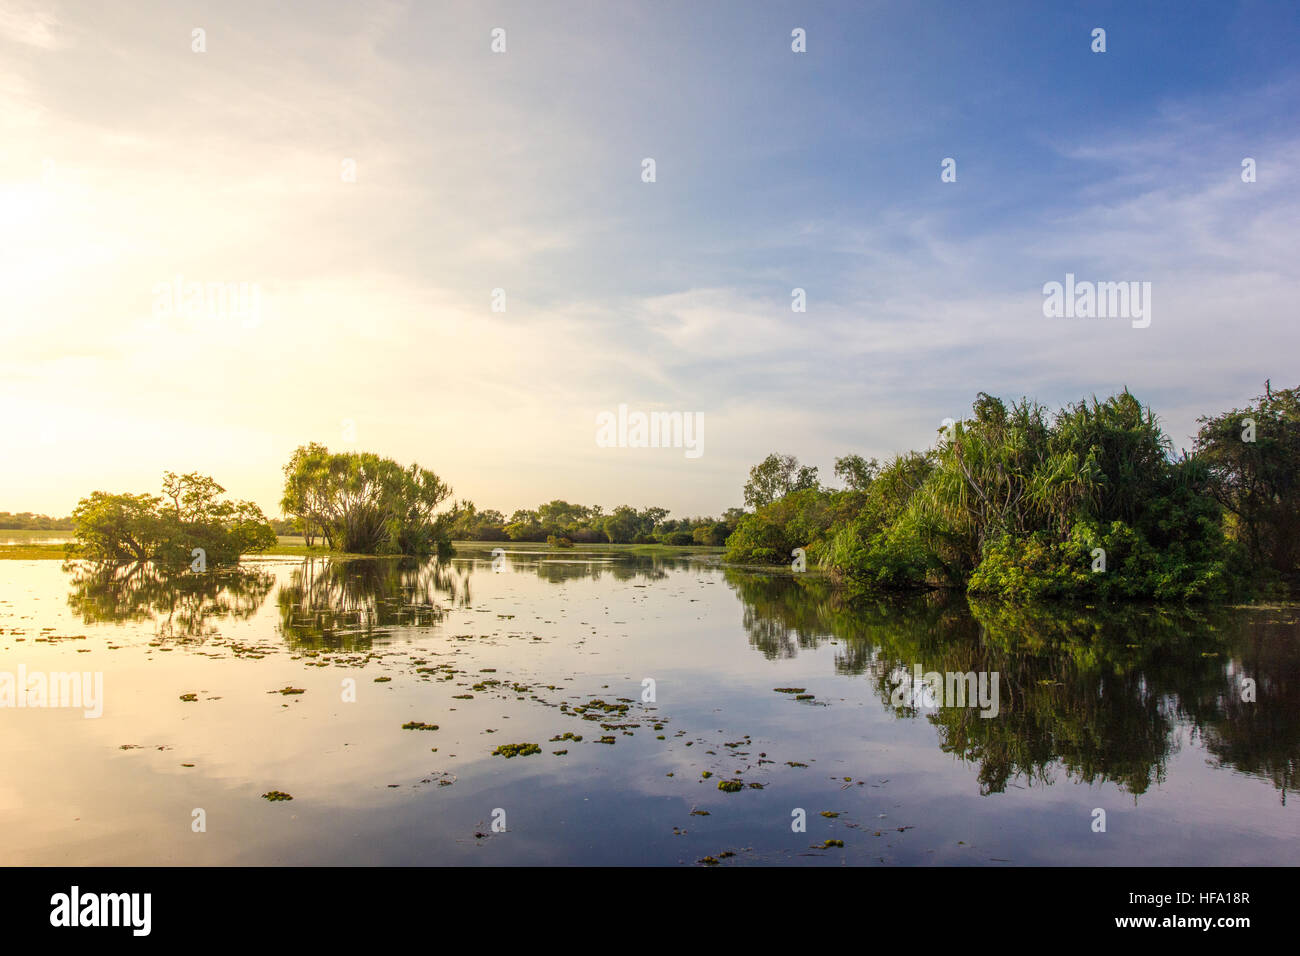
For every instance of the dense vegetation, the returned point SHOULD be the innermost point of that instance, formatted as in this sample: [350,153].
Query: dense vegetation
[561,523]
[1089,502]
[364,504]
[1015,502]
[26,521]
[166,530]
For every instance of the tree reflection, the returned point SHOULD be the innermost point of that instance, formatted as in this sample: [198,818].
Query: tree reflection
[344,605]
[185,606]
[1098,694]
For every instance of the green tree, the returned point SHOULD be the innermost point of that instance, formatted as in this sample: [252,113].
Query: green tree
[776,476]
[856,472]
[1253,458]
[366,504]
[115,528]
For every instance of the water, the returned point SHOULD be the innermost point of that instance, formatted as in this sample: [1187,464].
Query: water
[1137,713]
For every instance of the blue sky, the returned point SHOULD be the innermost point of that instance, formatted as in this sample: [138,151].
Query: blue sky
[129,158]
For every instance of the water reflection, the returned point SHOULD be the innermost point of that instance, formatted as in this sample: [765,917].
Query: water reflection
[184,606]
[345,605]
[1096,695]
[1099,694]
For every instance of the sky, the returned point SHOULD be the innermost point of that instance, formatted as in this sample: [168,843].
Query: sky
[374,171]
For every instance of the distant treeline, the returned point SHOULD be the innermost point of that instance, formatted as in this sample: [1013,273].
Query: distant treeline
[561,523]
[1087,502]
[1015,501]
[26,521]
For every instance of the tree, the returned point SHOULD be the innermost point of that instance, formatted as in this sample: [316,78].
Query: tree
[366,504]
[1253,460]
[856,472]
[166,529]
[775,477]
[622,525]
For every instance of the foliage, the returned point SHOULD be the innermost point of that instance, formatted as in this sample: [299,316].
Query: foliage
[364,504]
[1089,502]
[584,524]
[26,521]
[166,529]
[775,477]
[1254,474]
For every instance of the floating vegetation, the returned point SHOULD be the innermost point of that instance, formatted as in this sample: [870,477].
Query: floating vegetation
[830,843]
[462,696]
[789,690]
[274,795]
[706,774]
[830,813]
[559,753]
[731,786]
[795,763]
[189,698]
[756,786]
[606,740]
[567,735]
[382,680]
[418,725]
[805,697]
[516,750]
[286,690]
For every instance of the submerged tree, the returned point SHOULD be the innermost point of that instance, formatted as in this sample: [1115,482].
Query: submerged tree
[168,530]
[365,504]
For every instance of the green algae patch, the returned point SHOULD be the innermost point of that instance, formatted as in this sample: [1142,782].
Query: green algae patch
[189,698]
[276,795]
[731,786]
[516,750]
[418,725]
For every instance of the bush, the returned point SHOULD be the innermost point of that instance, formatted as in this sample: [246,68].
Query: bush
[166,530]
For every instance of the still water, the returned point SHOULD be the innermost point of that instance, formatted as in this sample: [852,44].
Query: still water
[300,674]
